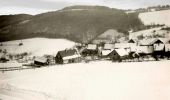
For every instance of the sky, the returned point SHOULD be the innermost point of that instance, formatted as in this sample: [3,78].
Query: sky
[40,6]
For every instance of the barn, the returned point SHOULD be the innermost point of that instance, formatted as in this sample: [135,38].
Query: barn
[67,56]
[42,61]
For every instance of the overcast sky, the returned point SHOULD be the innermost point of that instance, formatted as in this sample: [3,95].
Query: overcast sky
[40,6]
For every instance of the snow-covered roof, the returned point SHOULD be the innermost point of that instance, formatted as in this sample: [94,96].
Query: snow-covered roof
[164,40]
[41,59]
[148,41]
[122,52]
[71,57]
[122,45]
[69,52]
[106,52]
[109,46]
[92,46]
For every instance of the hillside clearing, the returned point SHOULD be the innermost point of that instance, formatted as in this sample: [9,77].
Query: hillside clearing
[37,46]
[157,17]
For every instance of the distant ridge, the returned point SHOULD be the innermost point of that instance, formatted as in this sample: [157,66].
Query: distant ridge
[78,25]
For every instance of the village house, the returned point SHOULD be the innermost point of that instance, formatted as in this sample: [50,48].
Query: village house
[133,43]
[67,56]
[107,49]
[159,47]
[146,46]
[91,50]
[118,55]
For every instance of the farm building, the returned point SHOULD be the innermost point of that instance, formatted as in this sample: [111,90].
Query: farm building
[67,56]
[41,61]
[91,49]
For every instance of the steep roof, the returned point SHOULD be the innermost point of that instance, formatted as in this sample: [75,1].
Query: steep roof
[164,40]
[122,45]
[121,52]
[148,41]
[106,52]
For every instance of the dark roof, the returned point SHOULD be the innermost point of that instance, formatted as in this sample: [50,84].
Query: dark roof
[65,53]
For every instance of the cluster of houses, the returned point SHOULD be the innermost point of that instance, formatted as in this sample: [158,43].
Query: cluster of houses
[132,49]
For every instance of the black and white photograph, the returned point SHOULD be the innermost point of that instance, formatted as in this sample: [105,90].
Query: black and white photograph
[84,49]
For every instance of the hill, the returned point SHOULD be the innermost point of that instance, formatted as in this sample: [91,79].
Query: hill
[6,20]
[77,23]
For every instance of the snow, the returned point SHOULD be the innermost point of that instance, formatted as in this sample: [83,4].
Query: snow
[157,17]
[101,80]
[37,46]
[147,32]
[71,57]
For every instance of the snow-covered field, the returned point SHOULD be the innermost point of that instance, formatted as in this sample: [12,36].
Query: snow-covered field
[37,46]
[101,80]
[157,17]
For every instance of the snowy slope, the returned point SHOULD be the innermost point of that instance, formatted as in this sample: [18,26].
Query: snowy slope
[102,80]
[157,17]
[37,46]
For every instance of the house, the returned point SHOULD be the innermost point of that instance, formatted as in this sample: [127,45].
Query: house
[146,46]
[159,47]
[167,48]
[133,43]
[67,56]
[42,61]
[118,55]
[107,49]
[91,49]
